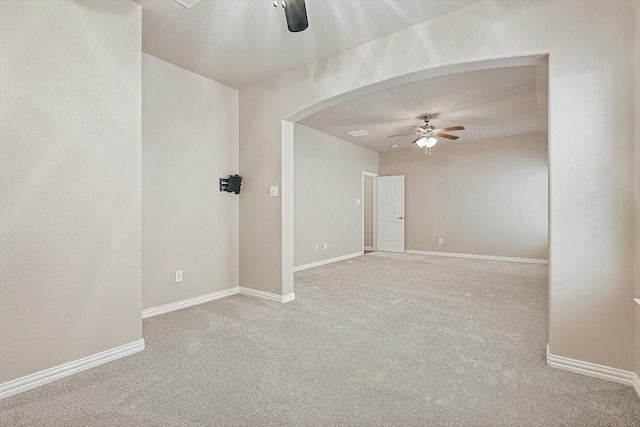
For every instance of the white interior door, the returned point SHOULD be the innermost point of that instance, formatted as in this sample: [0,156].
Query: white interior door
[390,222]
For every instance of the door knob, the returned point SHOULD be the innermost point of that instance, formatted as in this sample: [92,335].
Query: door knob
[400,217]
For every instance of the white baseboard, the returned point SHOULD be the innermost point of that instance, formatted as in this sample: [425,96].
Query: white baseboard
[473,256]
[161,309]
[268,296]
[49,375]
[368,248]
[636,383]
[593,370]
[327,261]
[288,297]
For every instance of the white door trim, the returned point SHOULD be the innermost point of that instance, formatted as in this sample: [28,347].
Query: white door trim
[373,203]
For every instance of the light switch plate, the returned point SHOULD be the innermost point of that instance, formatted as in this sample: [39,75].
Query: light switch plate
[273,191]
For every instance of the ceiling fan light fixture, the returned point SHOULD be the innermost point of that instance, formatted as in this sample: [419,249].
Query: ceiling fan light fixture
[422,142]
[431,141]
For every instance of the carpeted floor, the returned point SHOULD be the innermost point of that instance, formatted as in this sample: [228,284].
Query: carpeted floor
[382,339]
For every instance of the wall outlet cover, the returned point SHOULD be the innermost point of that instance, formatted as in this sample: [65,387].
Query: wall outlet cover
[178,276]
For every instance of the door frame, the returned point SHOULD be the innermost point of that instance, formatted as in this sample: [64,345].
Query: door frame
[374,205]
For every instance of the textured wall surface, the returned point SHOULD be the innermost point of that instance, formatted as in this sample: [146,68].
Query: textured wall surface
[70,160]
[481,197]
[328,181]
[189,141]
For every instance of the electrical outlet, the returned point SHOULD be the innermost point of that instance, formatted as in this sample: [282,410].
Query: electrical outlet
[440,240]
[325,246]
[178,276]
[317,248]
[357,201]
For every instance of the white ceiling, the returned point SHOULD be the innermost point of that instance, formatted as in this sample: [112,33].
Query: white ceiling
[242,42]
[488,103]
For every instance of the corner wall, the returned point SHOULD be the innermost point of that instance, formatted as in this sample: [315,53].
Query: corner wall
[189,142]
[485,197]
[70,168]
[328,182]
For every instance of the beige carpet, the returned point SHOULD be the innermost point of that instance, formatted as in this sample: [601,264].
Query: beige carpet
[382,339]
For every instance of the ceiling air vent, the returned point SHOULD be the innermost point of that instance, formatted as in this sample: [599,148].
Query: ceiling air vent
[188,3]
[359,132]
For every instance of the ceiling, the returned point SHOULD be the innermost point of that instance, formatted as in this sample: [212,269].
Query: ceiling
[241,42]
[488,103]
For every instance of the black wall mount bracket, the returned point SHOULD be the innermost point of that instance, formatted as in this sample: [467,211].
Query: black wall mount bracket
[231,184]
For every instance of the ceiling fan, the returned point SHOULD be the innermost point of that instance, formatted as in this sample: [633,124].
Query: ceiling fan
[428,134]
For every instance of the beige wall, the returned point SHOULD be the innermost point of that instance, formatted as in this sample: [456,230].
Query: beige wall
[368,211]
[189,141]
[591,183]
[328,182]
[481,197]
[70,257]
[636,10]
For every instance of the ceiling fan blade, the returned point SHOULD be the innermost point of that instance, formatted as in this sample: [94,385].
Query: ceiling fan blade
[404,134]
[444,135]
[450,129]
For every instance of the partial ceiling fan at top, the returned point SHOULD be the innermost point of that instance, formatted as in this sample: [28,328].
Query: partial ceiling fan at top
[296,13]
[428,134]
